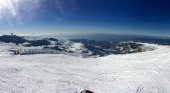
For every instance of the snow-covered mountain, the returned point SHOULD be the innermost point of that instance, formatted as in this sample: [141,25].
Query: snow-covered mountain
[145,72]
[76,47]
[109,67]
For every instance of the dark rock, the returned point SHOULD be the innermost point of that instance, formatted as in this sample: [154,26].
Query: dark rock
[87,91]
[53,39]
[39,42]
[12,39]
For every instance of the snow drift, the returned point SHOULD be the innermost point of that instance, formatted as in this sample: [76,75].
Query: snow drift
[144,72]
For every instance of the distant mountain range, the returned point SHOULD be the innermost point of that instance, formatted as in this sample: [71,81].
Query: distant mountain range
[125,38]
[96,47]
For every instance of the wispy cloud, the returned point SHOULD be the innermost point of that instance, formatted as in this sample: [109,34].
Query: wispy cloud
[9,11]
[15,12]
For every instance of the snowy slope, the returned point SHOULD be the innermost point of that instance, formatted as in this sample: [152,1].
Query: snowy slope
[146,72]
[77,47]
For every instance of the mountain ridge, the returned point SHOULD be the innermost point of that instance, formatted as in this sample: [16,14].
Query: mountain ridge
[76,47]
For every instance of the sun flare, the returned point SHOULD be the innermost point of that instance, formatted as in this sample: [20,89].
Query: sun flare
[4,4]
[8,6]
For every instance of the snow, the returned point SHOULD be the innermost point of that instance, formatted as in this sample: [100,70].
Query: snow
[78,47]
[146,72]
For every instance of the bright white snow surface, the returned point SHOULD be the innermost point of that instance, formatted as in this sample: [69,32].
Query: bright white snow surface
[147,72]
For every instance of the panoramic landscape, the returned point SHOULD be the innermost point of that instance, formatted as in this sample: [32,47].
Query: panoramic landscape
[84,46]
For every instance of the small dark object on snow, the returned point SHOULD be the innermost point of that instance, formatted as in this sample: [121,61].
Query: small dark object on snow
[87,91]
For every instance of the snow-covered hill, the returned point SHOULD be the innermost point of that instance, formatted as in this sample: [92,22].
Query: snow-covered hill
[83,48]
[59,66]
[145,72]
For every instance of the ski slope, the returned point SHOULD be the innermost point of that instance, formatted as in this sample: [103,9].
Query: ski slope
[146,72]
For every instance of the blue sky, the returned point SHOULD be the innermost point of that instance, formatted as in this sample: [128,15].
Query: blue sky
[85,16]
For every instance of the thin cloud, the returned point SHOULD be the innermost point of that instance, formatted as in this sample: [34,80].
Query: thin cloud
[16,12]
